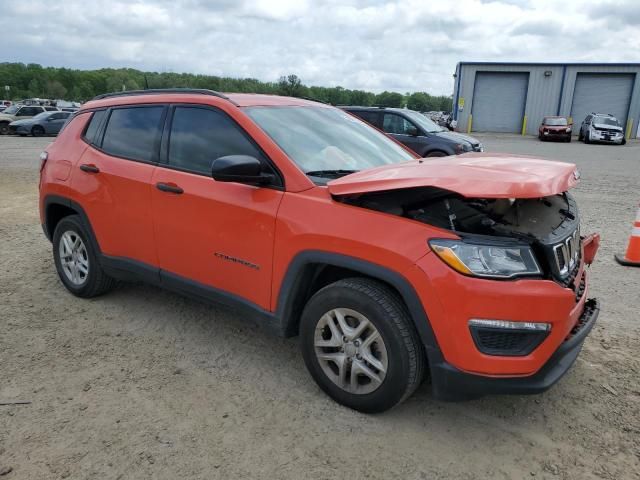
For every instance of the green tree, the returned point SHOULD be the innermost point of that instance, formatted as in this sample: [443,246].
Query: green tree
[55,89]
[390,99]
[290,85]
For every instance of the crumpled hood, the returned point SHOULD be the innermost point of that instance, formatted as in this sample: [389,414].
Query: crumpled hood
[472,175]
[607,126]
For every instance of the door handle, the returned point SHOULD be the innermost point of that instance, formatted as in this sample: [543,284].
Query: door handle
[89,168]
[169,188]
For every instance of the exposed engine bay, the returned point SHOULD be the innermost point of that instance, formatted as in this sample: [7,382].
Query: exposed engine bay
[525,219]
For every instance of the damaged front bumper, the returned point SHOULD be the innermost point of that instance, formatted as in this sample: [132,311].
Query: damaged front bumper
[450,383]
[462,369]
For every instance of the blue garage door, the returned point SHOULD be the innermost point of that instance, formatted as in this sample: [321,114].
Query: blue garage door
[499,99]
[602,93]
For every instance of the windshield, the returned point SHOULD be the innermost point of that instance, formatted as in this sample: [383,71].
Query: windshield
[327,139]
[555,122]
[423,121]
[606,121]
[12,109]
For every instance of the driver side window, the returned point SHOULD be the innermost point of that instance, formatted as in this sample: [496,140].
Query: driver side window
[200,135]
[393,123]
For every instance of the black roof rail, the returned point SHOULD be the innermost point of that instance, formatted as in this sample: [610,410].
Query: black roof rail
[159,91]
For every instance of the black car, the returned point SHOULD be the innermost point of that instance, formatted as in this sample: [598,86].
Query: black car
[416,131]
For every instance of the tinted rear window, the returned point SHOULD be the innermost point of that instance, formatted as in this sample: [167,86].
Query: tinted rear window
[94,125]
[133,132]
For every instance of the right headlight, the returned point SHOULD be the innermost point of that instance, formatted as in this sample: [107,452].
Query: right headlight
[490,261]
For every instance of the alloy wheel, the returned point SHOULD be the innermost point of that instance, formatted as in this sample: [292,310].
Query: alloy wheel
[350,351]
[74,258]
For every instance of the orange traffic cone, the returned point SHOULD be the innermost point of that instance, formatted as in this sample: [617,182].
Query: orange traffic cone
[632,257]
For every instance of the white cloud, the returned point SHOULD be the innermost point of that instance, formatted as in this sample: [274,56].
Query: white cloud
[402,45]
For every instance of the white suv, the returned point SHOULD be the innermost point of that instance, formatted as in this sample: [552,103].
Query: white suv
[601,127]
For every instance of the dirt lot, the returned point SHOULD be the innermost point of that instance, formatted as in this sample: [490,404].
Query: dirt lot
[143,384]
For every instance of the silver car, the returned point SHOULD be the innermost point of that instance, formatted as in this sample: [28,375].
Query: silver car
[601,127]
[46,123]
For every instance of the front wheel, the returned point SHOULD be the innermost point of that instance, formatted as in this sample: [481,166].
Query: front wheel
[587,139]
[360,346]
[37,131]
[4,128]
[76,260]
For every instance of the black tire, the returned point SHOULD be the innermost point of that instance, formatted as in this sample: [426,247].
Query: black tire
[587,140]
[624,141]
[96,282]
[580,137]
[568,140]
[436,153]
[4,128]
[37,131]
[540,138]
[384,309]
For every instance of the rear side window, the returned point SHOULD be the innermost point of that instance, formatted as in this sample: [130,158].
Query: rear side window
[134,132]
[200,135]
[369,117]
[91,132]
[50,109]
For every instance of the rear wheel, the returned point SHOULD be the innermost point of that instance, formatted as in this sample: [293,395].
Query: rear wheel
[360,346]
[4,128]
[37,131]
[76,261]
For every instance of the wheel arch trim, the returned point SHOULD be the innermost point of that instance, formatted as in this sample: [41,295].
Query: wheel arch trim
[50,200]
[293,284]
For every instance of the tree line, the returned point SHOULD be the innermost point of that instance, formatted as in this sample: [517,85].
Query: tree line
[35,81]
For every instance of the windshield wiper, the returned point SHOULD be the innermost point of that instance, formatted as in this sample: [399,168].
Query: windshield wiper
[330,173]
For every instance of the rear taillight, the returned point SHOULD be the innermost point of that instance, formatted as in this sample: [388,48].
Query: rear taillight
[43,159]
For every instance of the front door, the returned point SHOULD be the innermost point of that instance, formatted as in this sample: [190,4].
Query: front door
[212,234]
[402,130]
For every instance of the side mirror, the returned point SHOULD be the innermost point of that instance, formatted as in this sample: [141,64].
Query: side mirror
[413,131]
[240,169]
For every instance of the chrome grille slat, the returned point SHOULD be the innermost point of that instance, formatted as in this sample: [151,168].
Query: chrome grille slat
[566,253]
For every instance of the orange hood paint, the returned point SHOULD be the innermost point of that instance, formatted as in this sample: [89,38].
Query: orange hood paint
[472,175]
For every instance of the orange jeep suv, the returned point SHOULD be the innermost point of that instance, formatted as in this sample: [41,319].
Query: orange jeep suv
[469,271]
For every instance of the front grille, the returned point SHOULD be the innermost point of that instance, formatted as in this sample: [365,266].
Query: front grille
[608,131]
[567,253]
[506,342]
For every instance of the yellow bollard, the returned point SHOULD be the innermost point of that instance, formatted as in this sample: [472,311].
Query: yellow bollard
[469,120]
[524,125]
[627,135]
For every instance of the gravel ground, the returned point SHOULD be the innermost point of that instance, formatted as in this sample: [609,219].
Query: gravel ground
[143,384]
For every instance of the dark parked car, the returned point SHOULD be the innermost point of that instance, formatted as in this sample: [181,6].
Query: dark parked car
[555,128]
[601,127]
[416,131]
[46,123]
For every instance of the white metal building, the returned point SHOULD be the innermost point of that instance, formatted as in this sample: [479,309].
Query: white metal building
[513,97]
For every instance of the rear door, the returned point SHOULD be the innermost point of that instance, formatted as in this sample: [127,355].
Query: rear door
[55,121]
[212,235]
[113,178]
